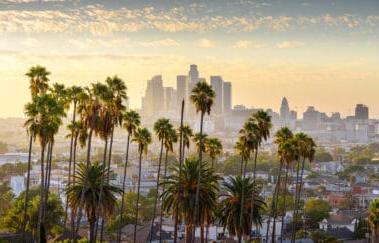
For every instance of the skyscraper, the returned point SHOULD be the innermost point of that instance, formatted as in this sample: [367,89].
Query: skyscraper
[284,110]
[217,86]
[170,98]
[182,89]
[361,112]
[227,96]
[153,101]
[193,74]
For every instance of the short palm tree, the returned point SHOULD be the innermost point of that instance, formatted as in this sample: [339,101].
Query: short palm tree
[89,180]
[234,188]
[373,220]
[131,122]
[182,191]
[202,96]
[143,138]
[187,134]
[213,147]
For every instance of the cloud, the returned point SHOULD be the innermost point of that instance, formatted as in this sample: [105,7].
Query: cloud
[89,43]
[160,43]
[205,43]
[289,44]
[245,44]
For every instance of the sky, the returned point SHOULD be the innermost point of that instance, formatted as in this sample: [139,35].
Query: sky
[315,52]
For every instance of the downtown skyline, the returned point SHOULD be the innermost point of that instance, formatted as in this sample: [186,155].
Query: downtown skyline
[321,53]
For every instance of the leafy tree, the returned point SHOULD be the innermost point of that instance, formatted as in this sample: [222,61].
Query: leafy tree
[323,237]
[315,211]
[6,198]
[373,219]
[53,219]
[322,155]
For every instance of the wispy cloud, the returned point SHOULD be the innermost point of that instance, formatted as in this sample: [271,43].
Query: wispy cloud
[289,44]
[205,43]
[160,43]
[245,44]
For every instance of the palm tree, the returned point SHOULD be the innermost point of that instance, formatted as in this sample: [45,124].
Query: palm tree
[213,147]
[373,220]
[143,138]
[162,128]
[306,149]
[187,134]
[261,133]
[288,153]
[38,80]
[89,180]
[182,192]
[200,141]
[234,188]
[202,96]
[168,144]
[282,136]
[131,121]
[73,94]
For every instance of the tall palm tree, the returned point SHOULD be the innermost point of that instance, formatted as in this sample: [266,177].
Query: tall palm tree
[288,153]
[143,138]
[202,96]
[213,147]
[162,128]
[182,192]
[73,94]
[131,122]
[38,80]
[187,134]
[169,147]
[89,180]
[373,220]
[306,149]
[261,133]
[282,136]
[234,188]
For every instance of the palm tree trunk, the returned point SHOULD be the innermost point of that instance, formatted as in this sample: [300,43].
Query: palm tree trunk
[69,166]
[73,210]
[82,193]
[294,217]
[189,233]
[196,211]
[138,194]
[275,201]
[109,167]
[39,236]
[48,179]
[243,165]
[252,196]
[202,233]
[123,191]
[156,191]
[300,185]
[27,186]
[180,172]
[92,233]
[101,186]
[284,204]
[163,189]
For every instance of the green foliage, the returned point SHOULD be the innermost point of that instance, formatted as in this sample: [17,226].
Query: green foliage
[346,174]
[3,148]
[12,221]
[6,199]
[13,169]
[145,210]
[323,156]
[315,211]
[322,237]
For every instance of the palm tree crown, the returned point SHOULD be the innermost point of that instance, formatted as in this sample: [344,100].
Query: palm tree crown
[202,96]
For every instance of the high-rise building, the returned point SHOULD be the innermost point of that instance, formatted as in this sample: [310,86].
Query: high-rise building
[181,89]
[193,74]
[227,96]
[361,112]
[284,110]
[170,98]
[153,101]
[217,86]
